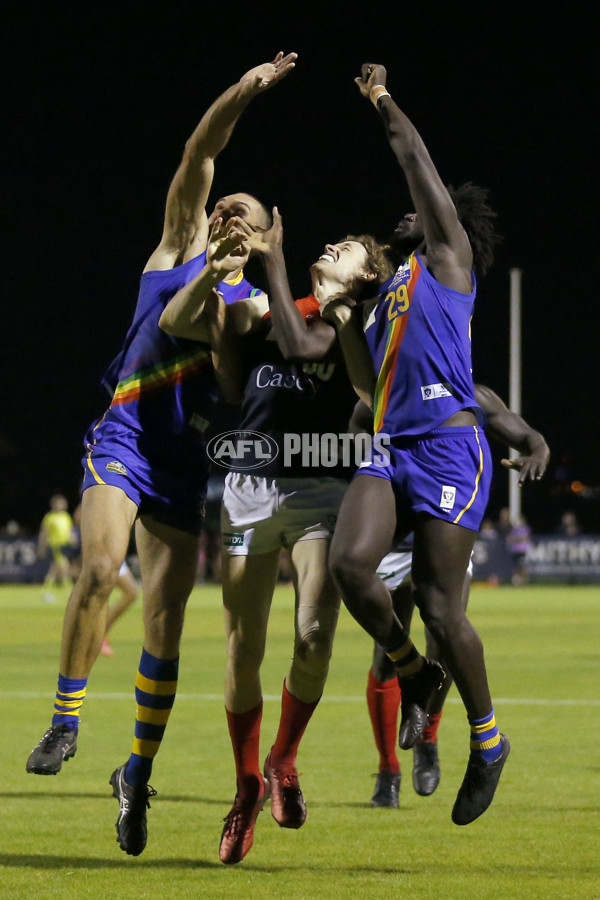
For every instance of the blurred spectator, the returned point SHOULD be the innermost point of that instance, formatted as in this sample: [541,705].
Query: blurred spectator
[519,542]
[569,526]
[504,525]
[488,531]
[12,529]
[56,536]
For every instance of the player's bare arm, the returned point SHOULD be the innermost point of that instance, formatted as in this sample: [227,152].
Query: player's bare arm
[226,253]
[341,312]
[447,250]
[185,229]
[361,421]
[227,349]
[509,428]
[296,339]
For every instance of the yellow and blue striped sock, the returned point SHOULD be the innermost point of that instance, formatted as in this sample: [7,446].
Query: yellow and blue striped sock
[69,700]
[155,689]
[485,738]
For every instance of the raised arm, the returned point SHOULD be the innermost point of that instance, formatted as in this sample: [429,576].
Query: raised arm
[185,229]
[509,428]
[228,356]
[447,248]
[346,319]
[227,251]
[296,339]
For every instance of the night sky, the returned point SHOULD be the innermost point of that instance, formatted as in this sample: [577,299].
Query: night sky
[102,99]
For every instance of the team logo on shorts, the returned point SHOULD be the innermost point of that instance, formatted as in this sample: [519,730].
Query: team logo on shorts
[117,467]
[233,540]
[242,450]
[448,497]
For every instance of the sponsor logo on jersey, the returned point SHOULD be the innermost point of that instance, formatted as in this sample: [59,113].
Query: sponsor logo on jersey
[268,377]
[448,498]
[117,467]
[435,391]
[244,450]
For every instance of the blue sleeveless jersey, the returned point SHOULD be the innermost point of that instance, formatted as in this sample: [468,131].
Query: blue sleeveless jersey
[419,338]
[164,387]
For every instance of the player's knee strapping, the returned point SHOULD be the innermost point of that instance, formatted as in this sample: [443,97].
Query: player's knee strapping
[312,653]
[155,690]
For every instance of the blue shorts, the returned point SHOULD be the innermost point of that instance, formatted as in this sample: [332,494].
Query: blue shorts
[445,473]
[170,487]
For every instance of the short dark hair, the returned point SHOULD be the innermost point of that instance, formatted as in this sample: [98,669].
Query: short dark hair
[477,218]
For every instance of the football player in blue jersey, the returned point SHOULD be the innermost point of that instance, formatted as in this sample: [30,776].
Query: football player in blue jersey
[437,482]
[383,690]
[144,464]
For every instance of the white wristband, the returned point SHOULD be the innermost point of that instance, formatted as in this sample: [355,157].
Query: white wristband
[377,91]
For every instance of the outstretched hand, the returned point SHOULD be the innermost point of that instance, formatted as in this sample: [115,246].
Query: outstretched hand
[266,75]
[532,467]
[370,75]
[228,247]
[264,242]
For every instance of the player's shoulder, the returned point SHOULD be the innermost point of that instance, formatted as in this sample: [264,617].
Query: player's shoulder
[176,249]
[247,312]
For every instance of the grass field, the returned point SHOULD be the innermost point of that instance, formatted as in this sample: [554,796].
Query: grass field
[540,839]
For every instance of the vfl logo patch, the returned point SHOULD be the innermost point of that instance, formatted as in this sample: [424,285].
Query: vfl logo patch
[402,272]
[435,391]
[448,498]
[117,467]
[233,540]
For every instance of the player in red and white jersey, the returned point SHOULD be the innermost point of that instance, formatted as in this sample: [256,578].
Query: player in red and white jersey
[293,384]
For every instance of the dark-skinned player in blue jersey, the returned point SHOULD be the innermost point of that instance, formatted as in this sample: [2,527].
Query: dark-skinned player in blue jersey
[437,482]
[383,690]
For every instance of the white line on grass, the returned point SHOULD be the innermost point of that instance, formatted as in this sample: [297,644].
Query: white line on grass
[508,701]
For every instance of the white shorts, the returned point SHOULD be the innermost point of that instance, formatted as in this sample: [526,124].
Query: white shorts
[395,569]
[124,570]
[261,514]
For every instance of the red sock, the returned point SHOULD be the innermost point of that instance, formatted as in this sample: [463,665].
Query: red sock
[295,716]
[430,733]
[244,729]
[383,700]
